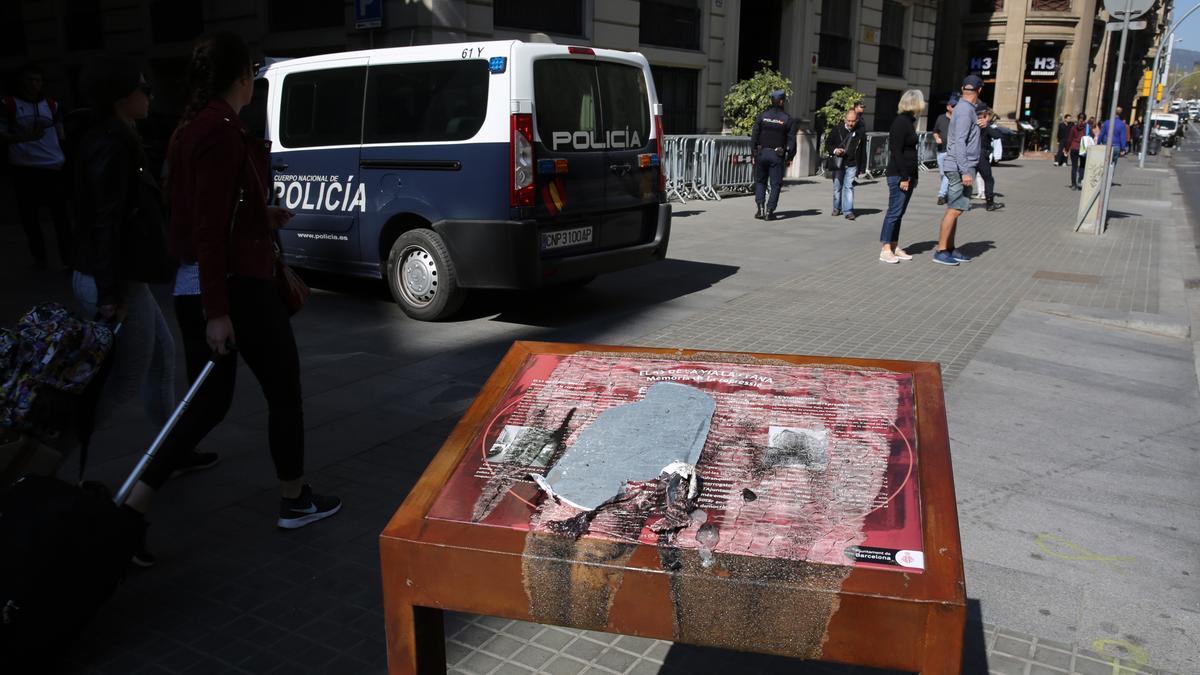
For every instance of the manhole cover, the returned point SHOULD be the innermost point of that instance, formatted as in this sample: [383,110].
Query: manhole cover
[1068,276]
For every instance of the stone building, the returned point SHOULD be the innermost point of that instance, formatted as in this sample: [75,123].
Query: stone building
[697,48]
[1041,59]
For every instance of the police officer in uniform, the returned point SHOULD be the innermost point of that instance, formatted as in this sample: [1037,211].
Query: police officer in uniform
[774,141]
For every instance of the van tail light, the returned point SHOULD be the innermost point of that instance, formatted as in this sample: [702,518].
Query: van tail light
[658,138]
[521,163]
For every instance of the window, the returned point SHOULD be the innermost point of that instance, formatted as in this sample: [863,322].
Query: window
[289,15]
[12,30]
[564,17]
[677,91]
[670,23]
[835,34]
[176,20]
[83,25]
[987,6]
[254,115]
[1051,5]
[573,95]
[886,103]
[425,102]
[322,107]
[891,40]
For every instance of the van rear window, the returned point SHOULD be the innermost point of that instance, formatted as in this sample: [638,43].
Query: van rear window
[588,105]
[426,102]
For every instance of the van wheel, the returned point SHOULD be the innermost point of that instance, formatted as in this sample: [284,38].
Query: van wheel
[422,278]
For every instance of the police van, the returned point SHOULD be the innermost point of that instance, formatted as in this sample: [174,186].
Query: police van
[444,168]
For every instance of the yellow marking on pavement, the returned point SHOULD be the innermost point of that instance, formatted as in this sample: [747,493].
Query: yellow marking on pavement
[1056,546]
[1135,656]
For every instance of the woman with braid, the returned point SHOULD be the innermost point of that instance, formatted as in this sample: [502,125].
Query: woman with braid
[222,231]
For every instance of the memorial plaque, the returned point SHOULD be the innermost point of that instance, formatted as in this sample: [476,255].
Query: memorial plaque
[804,463]
[801,506]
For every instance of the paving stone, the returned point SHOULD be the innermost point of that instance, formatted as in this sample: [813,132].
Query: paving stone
[563,665]
[1013,646]
[1039,669]
[1052,657]
[533,656]
[512,669]
[616,660]
[478,663]
[523,630]
[636,645]
[584,649]
[1000,664]
[502,646]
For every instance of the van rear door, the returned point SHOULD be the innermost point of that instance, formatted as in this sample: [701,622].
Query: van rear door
[570,168]
[633,166]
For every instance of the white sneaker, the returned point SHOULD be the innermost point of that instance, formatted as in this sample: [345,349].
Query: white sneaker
[902,254]
[885,256]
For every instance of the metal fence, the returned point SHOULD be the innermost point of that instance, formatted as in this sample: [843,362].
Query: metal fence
[707,166]
[877,154]
[926,151]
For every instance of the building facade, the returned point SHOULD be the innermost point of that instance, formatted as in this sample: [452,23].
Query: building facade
[1042,59]
[697,48]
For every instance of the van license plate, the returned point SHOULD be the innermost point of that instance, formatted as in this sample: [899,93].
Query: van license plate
[564,238]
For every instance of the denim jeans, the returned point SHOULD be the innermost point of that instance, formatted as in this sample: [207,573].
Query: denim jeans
[941,157]
[897,205]
[143,354]
[843,189]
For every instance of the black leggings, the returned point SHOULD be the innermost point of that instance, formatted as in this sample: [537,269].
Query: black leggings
[267,345]
[985,175]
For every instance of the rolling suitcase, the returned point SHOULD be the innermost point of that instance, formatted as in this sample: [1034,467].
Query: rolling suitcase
[65,547]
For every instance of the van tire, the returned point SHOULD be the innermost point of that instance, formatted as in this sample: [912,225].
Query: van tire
[422,278]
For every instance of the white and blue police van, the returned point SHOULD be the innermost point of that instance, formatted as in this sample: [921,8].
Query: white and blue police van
[443,168]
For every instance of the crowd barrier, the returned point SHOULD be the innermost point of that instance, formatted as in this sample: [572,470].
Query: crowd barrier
[707,166]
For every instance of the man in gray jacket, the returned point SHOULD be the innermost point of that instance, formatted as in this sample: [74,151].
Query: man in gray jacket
[962,155]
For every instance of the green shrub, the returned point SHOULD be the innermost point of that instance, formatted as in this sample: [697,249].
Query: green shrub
[748,98]
[836,107]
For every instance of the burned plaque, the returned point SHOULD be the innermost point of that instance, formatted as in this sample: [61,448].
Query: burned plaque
[802,463]
[778,504]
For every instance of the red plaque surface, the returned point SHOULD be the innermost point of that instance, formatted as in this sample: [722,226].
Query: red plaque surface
[845,491]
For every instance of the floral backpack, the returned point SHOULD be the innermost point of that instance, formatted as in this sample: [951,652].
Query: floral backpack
[49,349]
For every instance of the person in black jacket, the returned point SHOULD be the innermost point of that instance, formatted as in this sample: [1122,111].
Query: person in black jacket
[845,152]
[121,246]
[901,173]
[774,141]
[987,134]
[1064,140]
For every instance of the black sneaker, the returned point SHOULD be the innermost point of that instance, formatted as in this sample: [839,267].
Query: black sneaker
[305,509]
[993,206]
[196,461]
[759,214]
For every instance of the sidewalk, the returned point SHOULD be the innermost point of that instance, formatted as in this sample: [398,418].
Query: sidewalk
[1071,393]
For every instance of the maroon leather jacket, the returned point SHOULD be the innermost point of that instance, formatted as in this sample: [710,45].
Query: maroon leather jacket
[218,181]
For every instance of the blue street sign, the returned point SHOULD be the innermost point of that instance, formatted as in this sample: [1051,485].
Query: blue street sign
[368,14]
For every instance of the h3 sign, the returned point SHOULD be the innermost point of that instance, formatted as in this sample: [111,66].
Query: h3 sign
[1126,10]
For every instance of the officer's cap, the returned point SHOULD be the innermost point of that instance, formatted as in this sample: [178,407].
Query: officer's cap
[953,99]
[778,94]
[972,83]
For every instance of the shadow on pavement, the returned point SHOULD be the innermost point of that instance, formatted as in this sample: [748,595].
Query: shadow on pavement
[786,215]
[691,660]
[977,248]
[867,212]
[920,247]
[610,295]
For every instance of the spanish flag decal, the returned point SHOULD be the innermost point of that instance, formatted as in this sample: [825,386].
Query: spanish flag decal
[554,194]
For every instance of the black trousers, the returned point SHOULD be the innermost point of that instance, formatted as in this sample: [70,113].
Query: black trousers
[768,165]
[34,188]
[1077,164]
[266,343]
[989,183]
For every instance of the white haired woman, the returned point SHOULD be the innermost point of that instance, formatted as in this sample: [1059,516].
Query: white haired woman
[901,173]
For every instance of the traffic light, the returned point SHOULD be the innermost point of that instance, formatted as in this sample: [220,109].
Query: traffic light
[1160,90]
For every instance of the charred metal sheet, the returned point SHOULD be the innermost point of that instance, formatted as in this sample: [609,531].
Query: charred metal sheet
[633,442]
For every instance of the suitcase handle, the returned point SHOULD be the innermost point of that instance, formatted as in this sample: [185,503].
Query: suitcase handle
[144,462]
